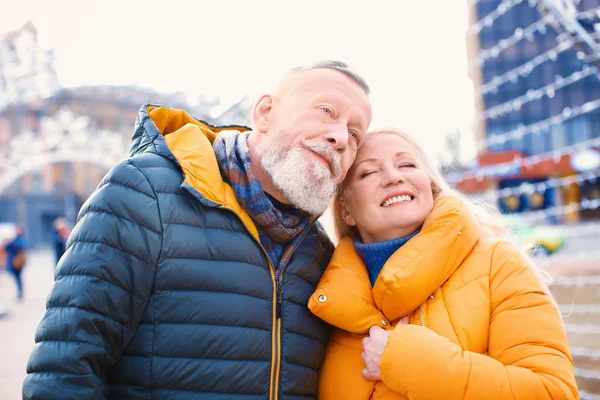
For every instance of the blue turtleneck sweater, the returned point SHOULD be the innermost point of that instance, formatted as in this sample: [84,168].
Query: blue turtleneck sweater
[376,254]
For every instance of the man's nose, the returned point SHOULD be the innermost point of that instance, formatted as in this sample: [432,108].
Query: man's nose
[338,137]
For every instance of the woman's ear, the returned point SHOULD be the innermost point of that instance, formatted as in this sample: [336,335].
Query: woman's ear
[347,217]
[435,190]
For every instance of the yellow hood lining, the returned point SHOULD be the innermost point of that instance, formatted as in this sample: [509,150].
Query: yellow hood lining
[191,141]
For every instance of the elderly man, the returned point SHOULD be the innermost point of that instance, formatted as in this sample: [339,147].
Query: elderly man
[189,270]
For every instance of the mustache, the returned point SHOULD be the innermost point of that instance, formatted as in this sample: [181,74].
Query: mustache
[326,151]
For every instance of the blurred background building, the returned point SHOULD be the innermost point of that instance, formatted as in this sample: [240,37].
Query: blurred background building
[27,71]
[57,143]
[535,68]
[535,71]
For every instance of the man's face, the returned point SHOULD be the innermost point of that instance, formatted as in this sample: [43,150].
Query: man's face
[316,124]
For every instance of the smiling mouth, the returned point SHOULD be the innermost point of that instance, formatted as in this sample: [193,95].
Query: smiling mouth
[405,198]
[326,161]
[323,159]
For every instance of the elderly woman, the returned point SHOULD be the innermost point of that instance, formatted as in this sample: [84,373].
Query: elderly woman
[428,299]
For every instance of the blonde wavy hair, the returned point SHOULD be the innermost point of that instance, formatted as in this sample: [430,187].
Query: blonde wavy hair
[491,222]
[488,217]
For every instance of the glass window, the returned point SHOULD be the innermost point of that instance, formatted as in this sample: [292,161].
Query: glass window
[536,110]
[576,95]
[537,143]
[546,72]
[578,129]
[594,123]
[37,182]
[559,138]
[557,102]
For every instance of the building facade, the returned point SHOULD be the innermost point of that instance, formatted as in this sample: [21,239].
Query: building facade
[27,71]
[536,75]
[74,134]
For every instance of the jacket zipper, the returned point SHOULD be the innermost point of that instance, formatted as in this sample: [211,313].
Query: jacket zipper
[278,314]
[277,296]
[421,310]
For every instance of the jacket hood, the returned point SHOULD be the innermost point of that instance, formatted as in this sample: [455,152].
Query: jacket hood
[187,142]
[409,276]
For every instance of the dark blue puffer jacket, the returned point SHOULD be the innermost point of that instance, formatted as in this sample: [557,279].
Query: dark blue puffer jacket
[164,291]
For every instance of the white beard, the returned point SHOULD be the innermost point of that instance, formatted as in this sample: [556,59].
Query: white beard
[307,185]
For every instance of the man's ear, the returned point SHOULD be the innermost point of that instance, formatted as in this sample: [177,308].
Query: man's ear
[347,217]
[261,114]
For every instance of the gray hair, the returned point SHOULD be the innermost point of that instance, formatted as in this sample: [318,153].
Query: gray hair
[338,66]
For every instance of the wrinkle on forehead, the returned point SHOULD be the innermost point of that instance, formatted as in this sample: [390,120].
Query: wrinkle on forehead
[323,82]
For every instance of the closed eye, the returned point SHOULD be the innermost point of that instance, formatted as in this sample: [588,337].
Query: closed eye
[367,173]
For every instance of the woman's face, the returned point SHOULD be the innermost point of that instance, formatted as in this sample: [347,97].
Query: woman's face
[388,192]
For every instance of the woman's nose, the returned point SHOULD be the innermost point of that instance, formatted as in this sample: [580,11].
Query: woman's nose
[393,177]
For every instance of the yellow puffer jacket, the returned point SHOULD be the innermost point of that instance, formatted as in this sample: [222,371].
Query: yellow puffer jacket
[482,325]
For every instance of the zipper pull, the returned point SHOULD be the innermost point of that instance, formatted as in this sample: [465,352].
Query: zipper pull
[279,304]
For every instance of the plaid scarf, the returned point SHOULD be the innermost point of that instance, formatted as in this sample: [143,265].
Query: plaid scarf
[276,228]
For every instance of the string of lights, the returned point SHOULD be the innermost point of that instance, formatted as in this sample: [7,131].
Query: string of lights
[564,43]
[520,33]
[585,351]
[547,90]
[583,395]
[517,36]
[590,14]
[585,231]
[586,329]
[531,2]
[594,36]
[579,308]
[488,20]
[540,126]
[587,373]
[568,281]
[570,257]
[541,187]
[497,169]
[524,69]
[540,215]
[527,188]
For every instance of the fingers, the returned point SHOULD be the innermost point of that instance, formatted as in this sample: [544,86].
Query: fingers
[364,357]
[366,341]
[372,376]
[370,363]
[374,330]
[378,335]
[373,346]
[371,370]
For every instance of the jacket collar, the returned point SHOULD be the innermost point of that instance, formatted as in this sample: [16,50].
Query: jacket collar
[188,143]
[409,276]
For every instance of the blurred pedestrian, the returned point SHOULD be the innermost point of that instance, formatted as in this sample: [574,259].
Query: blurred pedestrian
[4,310]
[60,234]
[16,258]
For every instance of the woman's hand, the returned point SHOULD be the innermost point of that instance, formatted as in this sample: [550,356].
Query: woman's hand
[373,346]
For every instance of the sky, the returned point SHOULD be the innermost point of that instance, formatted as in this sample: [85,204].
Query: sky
[412,53]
